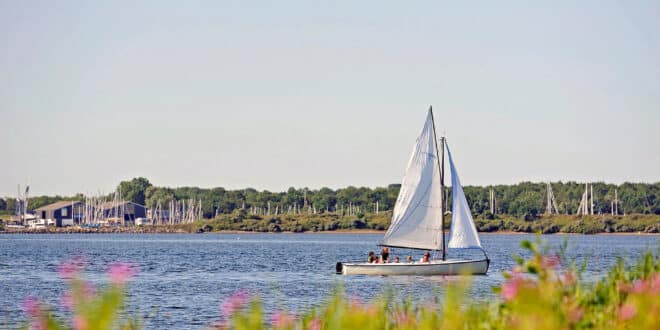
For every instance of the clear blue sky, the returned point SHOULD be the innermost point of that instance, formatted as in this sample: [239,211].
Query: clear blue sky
[279,93]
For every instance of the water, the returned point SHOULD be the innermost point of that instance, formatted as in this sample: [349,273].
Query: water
[184,278]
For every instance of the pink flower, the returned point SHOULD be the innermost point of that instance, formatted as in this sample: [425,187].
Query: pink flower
[655,283]
[79,323]
[627,312]
[31,306]
[511,287]
[639,286]
[314,324]
[575,314]
[569,278]
[400,317]
[70,269]
[89,290]
[550,261]
[39,324]
[282,320]
[355,302]
[121,272]
[234,303]
[66,300]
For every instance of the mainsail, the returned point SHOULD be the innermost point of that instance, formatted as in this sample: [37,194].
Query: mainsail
[463,234]
[416,220]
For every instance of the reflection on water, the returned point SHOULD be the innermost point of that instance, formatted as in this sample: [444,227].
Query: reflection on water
[184,278]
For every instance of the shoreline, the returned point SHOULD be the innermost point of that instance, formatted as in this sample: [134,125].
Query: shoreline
[175,230]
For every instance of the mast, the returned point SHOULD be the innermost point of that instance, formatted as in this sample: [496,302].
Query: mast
[441,171]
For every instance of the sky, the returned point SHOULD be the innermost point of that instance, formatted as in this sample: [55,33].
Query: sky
[276,94]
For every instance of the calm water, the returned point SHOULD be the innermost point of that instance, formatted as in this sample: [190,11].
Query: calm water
[184,278]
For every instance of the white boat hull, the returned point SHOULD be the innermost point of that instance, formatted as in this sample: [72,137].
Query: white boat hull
[435,267]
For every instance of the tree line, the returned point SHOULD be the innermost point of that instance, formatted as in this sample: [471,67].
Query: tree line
[519,200]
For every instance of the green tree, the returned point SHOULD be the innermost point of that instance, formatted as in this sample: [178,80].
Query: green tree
[155,195]
[134,190]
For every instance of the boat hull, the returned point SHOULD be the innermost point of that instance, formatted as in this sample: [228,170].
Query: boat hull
[435,267]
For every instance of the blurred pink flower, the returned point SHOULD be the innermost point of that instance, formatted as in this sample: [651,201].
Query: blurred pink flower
[550,261]
[511,286]
[639,286]
[627,312]
[89,290]
[623,287]
[400,317]
[371,309]
[39,324]
[234,303]
[31,306]
[71,268]
[314,324]
[655,283]
[282,320]
[121,272]
[79,323]
[66,300]
[355,302]
[575,314]
[568,278]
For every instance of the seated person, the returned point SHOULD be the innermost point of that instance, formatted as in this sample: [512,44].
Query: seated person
[396,260]
[385,255]
[426,257]
[409,259]
[372,257]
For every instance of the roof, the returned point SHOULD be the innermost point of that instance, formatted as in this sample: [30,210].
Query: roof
[109,205]
[57,205]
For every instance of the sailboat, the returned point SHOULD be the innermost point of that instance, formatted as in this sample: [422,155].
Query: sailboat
[418,217]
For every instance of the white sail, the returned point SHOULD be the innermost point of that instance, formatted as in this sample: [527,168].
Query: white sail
[463,233]
[416,217]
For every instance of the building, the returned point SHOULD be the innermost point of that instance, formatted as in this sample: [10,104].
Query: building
[126,211]
[60,214]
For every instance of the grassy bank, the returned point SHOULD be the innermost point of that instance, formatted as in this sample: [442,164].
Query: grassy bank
[240,221]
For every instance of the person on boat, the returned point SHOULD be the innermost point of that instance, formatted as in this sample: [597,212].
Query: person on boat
[426,257]
[385,254]
[396,260]
[372,257]
[409,259]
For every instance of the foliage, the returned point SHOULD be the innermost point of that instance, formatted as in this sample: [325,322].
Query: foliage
[134,190]
[241,221]
[525,199]
[518,208]
[544,292]
[90,308]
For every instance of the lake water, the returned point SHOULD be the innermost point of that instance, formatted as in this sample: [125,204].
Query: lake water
[184,278]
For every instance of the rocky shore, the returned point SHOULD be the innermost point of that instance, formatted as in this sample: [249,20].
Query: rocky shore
[99,230]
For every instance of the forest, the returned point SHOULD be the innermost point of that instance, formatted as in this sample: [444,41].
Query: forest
[518,200]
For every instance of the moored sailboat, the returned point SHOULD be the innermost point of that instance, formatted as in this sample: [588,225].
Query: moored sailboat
[418,217]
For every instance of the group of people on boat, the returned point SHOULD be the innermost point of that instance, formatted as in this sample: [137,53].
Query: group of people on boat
[384,257]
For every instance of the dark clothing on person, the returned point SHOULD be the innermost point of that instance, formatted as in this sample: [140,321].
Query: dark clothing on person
[386,256]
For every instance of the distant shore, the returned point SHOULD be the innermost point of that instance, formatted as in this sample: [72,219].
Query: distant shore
[179,230]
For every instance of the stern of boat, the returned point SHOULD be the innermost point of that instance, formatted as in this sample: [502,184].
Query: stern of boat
[339,268]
